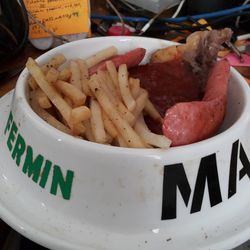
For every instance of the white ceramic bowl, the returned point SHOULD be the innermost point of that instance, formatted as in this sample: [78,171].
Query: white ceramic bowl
[67,193]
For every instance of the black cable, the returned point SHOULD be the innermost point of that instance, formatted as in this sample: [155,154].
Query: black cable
[171,25]
[244,21]
[221,19]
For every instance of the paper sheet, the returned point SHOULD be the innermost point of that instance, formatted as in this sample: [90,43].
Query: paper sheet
[62,17]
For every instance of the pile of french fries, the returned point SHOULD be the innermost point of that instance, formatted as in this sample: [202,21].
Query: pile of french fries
[107,107]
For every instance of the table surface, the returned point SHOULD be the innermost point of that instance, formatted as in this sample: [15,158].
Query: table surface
[6,85]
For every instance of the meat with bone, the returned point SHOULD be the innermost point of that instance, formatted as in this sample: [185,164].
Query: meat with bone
[191,120]
[200,51]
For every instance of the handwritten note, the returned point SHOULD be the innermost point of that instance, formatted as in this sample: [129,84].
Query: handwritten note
[62,17]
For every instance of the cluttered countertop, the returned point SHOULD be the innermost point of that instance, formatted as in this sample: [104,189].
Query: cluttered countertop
[122,18]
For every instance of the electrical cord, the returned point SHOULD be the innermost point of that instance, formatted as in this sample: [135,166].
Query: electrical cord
[152,20]
[224,18]
[178,9]
[148,24]
[170,26]
[237,23]
[177,19]
[112,6]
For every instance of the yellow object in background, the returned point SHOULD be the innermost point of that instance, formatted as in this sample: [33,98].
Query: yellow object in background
[62,17]
[248,80]
[202,21]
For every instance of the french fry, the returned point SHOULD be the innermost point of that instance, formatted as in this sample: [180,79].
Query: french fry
[64,75]
[114,76]
[152,139]
[32,83]
[78,129]
[115,103]
[140,103]
[68,100]
[110,85]
[76,96]
[85,87]
[46,116]
[125,113]
[52,75]
[75,78]
[54,62]
[42,99]
[101,56]
[84,76]
[108,125]
[49,90]
[102,80]
[121,142]
[102,77]
[80,114]
[134,84]
[83,68]
[127,132]
[122,109]
[88,132]
[44,102]
[152,111]
[109,139]
[96,122]
[124,87]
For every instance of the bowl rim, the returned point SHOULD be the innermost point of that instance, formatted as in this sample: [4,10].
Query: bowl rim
[27,225]
[20,92]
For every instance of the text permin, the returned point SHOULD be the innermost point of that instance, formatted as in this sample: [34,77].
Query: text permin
[36,167]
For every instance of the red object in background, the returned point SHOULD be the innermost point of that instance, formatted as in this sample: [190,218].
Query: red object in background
[117,31]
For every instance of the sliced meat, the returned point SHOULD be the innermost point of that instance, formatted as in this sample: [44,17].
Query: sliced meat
[167,83]
[131,59]
[189,122]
